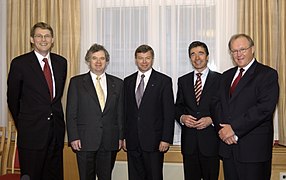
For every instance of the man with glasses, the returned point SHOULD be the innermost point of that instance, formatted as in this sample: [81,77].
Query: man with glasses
[35,87]
[247,99]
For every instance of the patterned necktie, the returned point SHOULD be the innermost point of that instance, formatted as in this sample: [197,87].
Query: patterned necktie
[198,88]
[100,93]
[48,76]
[235,82]
[140,90]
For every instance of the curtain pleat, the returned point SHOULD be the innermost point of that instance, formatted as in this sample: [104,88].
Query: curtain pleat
[264,21]
[62,15]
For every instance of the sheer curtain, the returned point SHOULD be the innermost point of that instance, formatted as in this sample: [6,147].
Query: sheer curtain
[3,64]
[169,26]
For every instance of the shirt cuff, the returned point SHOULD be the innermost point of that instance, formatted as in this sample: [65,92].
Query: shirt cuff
[181,121]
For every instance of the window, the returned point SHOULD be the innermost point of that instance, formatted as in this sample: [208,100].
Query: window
[168,26]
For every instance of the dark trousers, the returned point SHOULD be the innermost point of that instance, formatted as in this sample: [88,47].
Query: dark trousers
[96,163]
[197,166]
[234,170]
[144,165]
[44,164]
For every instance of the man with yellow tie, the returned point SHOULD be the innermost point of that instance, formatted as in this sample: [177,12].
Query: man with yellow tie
[95,116]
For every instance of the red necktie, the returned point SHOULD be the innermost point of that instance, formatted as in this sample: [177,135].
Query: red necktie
[48,76]
[235,82]
[198,88]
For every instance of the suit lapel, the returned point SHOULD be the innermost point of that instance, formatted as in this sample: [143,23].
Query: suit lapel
[110,90]
[56,70]
[228,82]
[132,87]
[190,86]
[208,83]
[38,72]
[244,80]
[89,87]
[150,86]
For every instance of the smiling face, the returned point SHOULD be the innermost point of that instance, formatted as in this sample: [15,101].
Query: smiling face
[42,41]
[242,51]
[97,62]
[144,61]
[199,58]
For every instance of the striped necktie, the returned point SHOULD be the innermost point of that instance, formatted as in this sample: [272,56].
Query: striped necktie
[198,88]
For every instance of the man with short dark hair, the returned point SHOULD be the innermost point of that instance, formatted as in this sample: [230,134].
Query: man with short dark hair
[199,140]
[35,87]
[149,117]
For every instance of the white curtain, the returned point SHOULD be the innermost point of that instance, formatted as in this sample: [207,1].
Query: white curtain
[3,64]
[169,26]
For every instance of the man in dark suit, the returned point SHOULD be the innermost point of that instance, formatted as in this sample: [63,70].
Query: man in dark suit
[34,100]
[247,99]
[95,116]
[199,140]
[149,119]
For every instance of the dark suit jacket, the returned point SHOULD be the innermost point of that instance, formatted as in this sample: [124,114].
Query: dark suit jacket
[154,120]
[85,120]
[29,100]
[249,111]
[205,140]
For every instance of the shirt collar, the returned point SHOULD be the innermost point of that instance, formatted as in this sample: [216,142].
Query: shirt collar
[204,72]
[248,66]
[40,57]
[147,73]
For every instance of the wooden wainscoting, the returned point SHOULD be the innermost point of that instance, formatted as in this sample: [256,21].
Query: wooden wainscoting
[173,156]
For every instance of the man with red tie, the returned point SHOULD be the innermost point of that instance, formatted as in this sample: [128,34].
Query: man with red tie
[199,140]
[35,87]
[247,99]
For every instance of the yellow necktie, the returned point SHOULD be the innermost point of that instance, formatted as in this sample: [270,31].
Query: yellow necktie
[100,93]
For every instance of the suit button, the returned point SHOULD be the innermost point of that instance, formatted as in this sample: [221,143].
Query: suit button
[49,118]
[198,112]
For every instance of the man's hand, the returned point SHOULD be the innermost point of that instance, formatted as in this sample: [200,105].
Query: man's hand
[204,122]
[76,145]
[164,146]
[227,135]
[189,121]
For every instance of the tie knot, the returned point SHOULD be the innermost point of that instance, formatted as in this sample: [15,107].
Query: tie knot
[98,78]
[199,74]
[142,76]
[241,70]
[45,60]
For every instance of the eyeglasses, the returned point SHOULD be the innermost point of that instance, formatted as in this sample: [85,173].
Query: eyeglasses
[39,36]
[242,50]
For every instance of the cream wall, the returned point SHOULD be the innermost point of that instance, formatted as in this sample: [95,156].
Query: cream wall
[173,167]
[171,171]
